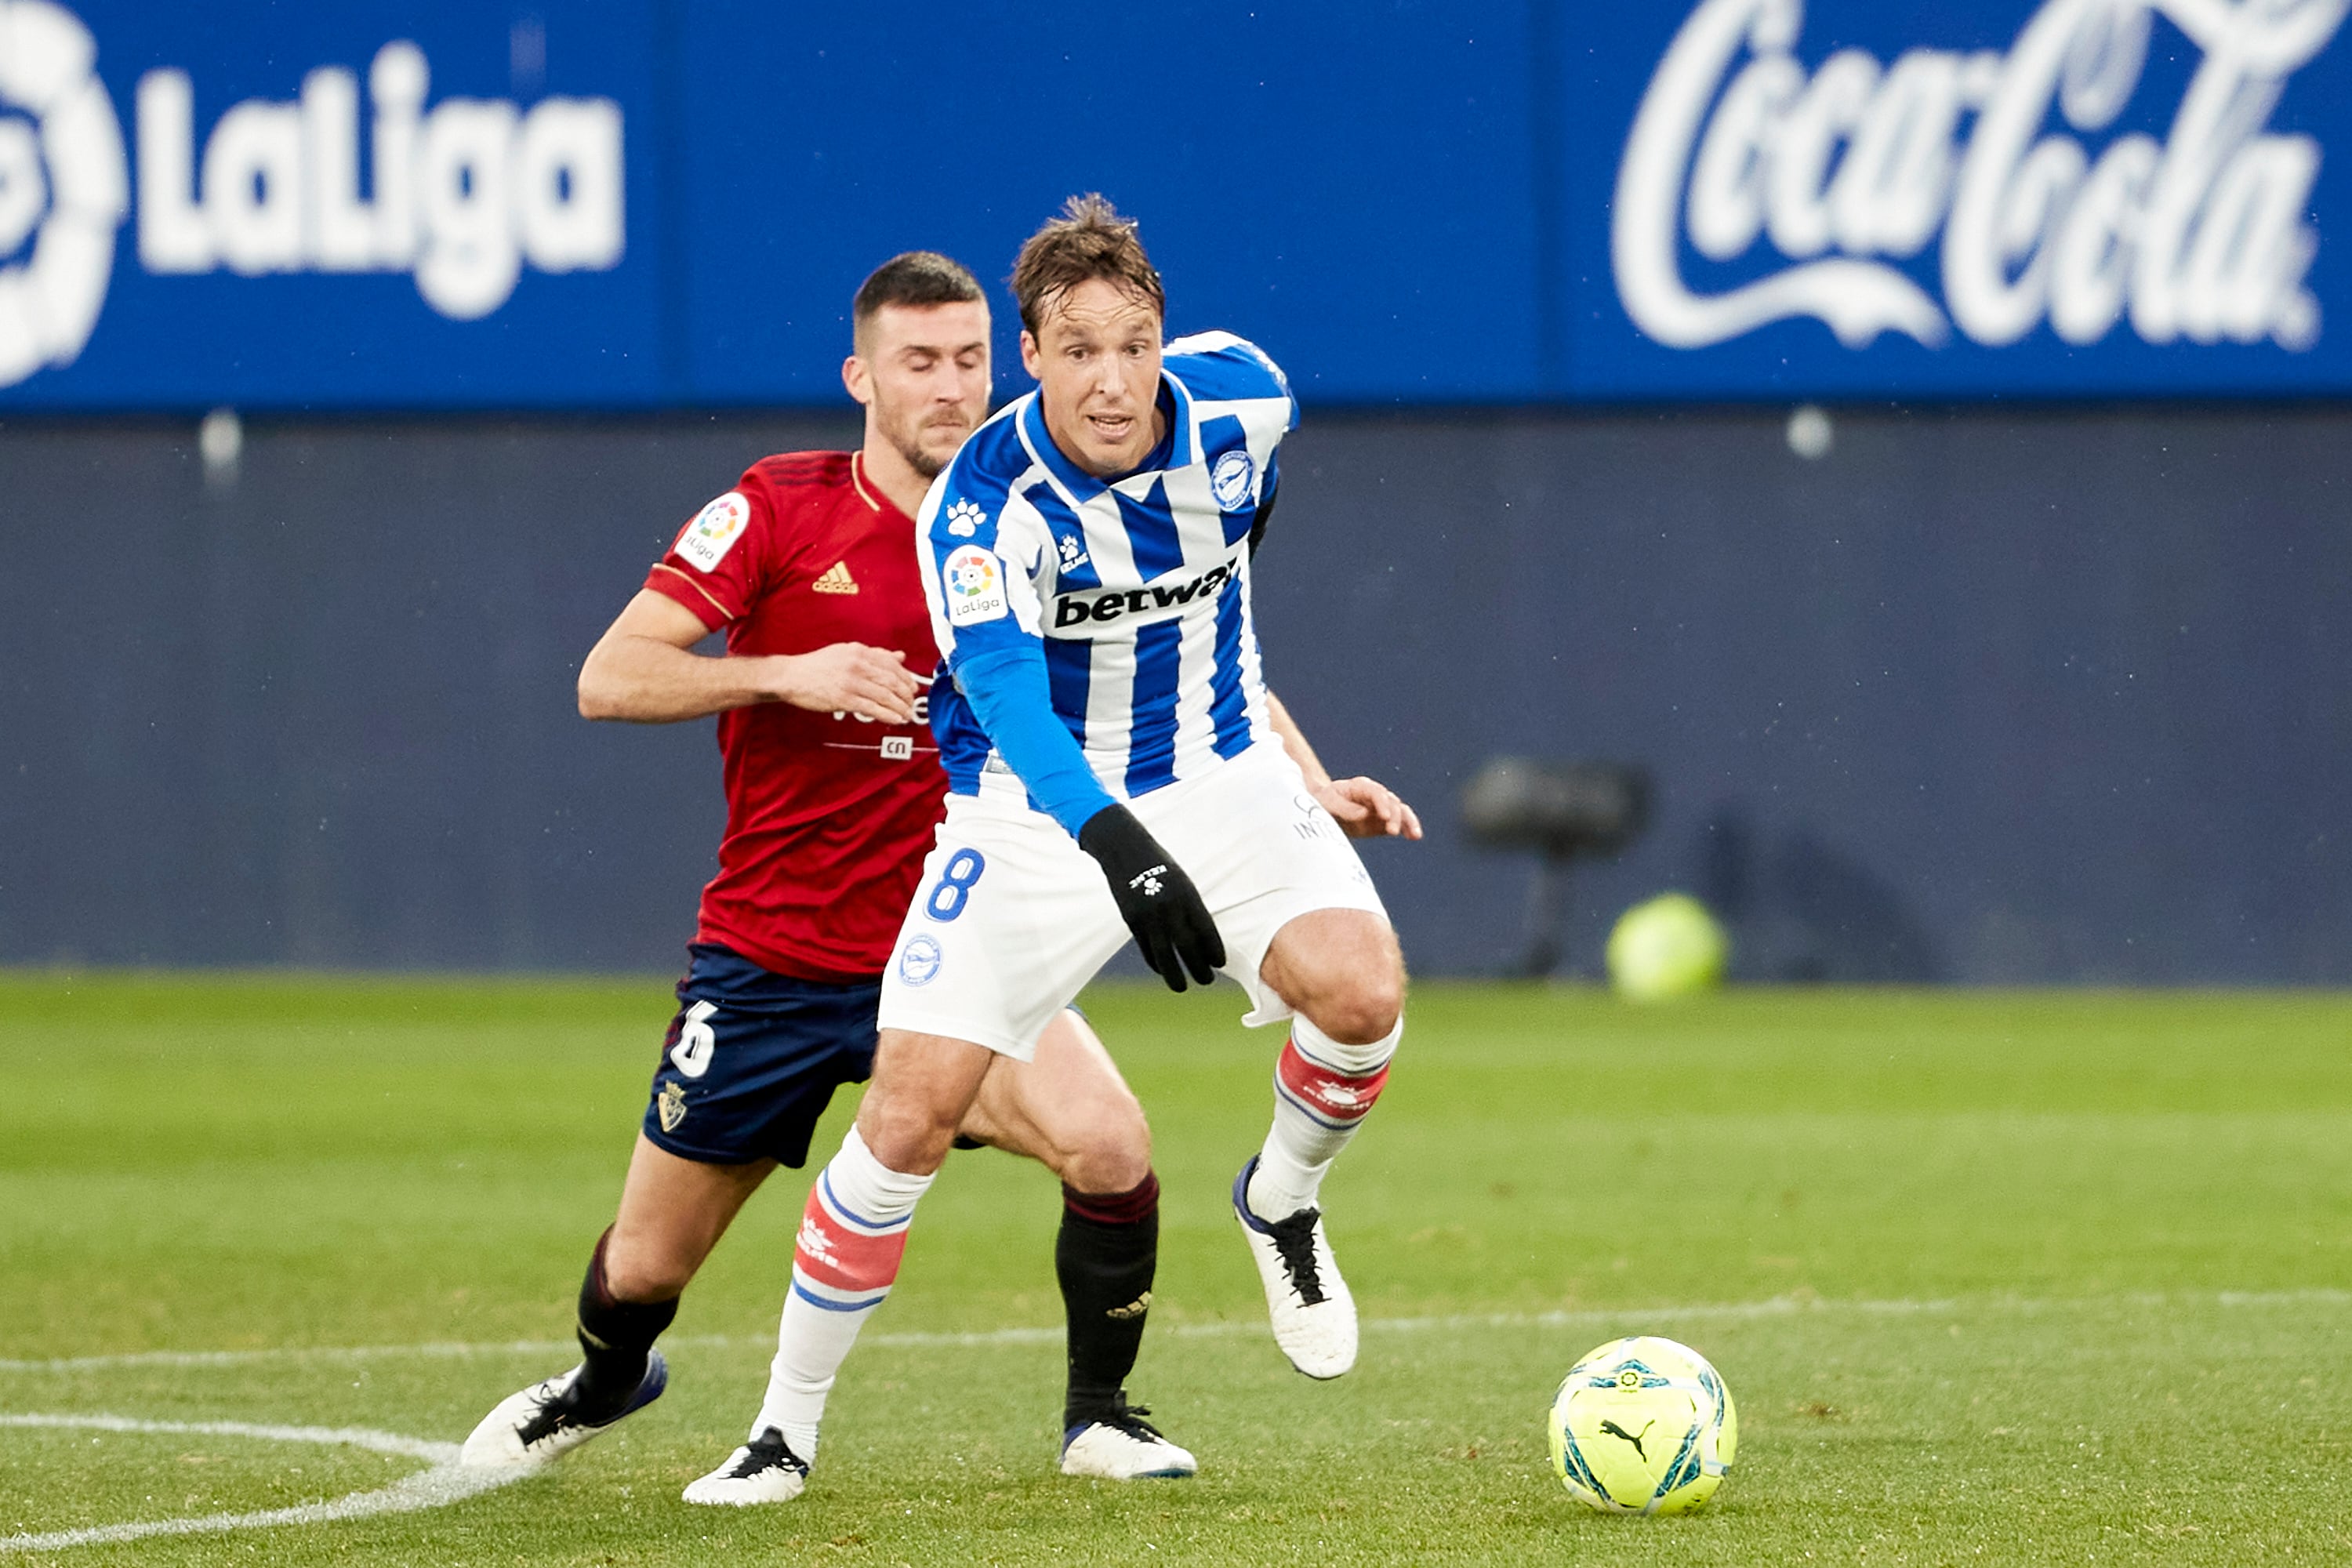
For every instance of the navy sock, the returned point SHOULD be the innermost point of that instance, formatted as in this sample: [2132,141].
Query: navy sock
[614,1337]
[1105,1258]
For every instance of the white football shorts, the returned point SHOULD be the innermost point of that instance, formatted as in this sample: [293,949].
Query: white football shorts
[1011,917]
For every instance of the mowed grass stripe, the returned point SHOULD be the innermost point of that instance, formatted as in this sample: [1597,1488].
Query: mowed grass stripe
[2115,1232]
[1779,1307]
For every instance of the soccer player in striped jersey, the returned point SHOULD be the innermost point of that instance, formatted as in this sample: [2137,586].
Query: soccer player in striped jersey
[832,791]
[1116,767]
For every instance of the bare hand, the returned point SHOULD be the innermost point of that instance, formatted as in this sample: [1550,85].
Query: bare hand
[850,678]
[1367,808]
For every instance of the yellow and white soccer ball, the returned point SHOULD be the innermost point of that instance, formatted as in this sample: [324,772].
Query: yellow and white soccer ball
[1642,1426]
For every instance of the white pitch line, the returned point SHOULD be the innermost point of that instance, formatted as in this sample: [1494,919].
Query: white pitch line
[1733,1312]
[444,1483]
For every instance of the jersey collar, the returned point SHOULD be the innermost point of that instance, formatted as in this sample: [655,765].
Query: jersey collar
[1183,448]
[871,494]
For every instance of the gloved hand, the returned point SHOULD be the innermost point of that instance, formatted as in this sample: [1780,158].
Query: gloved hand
[1158,903]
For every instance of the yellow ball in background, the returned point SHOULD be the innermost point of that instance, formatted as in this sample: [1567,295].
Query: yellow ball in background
[1666,947]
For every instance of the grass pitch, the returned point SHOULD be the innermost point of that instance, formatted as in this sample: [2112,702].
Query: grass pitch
[1995,1278]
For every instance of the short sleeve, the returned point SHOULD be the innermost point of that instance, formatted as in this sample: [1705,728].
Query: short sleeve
[1218,367]
[720,563]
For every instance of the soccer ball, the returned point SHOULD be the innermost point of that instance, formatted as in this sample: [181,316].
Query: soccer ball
[1642,1426]
[1666,947]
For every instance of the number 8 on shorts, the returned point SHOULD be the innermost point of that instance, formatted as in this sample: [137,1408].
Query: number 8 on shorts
[954,888]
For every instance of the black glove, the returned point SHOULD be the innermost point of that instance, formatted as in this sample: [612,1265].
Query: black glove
[1158,902]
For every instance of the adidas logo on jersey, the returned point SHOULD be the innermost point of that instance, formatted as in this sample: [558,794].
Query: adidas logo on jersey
[836,580]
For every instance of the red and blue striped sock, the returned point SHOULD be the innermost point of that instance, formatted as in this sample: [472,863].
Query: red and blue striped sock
[852,1236]
[1322,1092]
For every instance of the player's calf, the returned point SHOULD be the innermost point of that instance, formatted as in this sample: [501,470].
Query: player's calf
[1323,1089]
[1105,1259]
[846,1258]
[616,1339]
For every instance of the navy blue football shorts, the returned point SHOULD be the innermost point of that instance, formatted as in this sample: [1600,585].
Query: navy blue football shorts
[752,1058]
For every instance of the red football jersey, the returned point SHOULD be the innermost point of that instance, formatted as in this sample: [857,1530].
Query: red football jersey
[828,816]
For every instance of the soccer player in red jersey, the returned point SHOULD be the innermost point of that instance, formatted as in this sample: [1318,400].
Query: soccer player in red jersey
[833,790]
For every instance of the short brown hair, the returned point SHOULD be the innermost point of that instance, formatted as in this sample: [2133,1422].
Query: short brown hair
[1089,240]
[916,277]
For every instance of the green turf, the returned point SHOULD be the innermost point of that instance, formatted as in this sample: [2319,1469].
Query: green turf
[2010,1279]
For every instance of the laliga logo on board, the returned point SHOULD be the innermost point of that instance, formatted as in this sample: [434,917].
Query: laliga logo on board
[463,193]
[64,187]
[2202,236]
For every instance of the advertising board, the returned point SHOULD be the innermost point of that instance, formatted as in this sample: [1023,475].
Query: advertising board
[646,204]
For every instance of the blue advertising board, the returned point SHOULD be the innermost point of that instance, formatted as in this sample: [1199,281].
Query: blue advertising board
[647,204]
[2065,198]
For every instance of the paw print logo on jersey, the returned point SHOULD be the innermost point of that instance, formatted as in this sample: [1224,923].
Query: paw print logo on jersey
[1073,554]
[964,519]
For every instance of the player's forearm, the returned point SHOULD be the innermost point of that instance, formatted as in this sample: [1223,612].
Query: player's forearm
[644,681]
[1010,697]
[1294,742]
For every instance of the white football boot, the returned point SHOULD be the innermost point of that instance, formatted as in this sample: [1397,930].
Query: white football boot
[1314,1316]
[1126,1448]
[764,1470]
[537,1425]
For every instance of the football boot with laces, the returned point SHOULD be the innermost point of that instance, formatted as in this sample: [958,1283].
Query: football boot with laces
[1123,1446]
[1314,1316]
[543,1421]
[764,1470]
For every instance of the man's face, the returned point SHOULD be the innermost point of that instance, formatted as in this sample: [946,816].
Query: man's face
[1095,355]
[922,372]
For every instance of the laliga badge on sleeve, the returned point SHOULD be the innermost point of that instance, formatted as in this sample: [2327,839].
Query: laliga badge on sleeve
[974,579]
[714,531]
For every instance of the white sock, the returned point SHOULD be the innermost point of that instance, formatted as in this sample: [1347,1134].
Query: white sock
[851,1236]
[1322,1091]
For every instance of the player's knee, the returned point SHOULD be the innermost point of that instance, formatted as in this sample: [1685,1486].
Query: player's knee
[905,1134]
[1368,998]
[637,1272]
[1114,1153]
[1362,1017]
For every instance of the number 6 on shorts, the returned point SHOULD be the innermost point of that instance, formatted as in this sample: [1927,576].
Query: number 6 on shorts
[954,888]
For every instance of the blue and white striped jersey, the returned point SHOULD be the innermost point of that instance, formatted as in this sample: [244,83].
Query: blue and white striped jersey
[1135,591]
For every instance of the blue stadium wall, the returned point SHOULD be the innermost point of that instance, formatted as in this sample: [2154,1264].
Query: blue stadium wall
[2039,675]
[1982,696]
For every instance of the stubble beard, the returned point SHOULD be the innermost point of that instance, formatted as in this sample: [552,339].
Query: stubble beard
[907,439]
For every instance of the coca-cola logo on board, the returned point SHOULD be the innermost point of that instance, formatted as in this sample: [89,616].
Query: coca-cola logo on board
[1822,189]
